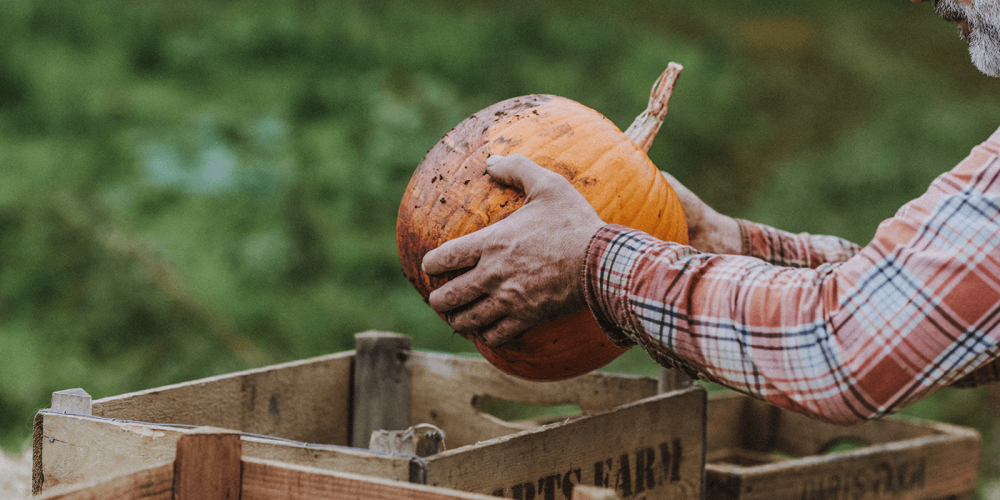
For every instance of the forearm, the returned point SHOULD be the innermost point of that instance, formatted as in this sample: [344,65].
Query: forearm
[783,248]
[712,232]
[805,339]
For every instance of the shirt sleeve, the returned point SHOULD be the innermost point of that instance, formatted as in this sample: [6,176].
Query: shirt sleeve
[915,310]
[783,248]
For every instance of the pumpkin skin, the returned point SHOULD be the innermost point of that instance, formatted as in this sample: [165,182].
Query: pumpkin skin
[450,195]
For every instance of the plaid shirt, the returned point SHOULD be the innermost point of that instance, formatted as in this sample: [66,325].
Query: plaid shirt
[816,324]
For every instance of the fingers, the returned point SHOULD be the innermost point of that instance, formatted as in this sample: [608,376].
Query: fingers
[501,331]
[477,315]
[452,255]
[520,172]
[459,292]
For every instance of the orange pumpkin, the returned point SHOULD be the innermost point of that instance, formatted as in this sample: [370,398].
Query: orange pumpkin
[450,195]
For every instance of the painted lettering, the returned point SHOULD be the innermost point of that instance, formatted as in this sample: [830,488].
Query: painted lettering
[547,486]
[883,479]
[645,478]
[601,478]
[629,473]
[524,491]
[568,484]
[623,480]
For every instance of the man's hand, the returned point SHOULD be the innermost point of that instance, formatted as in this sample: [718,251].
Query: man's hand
[708,230]
[526,269]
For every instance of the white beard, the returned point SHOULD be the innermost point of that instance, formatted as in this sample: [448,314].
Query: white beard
[981,30]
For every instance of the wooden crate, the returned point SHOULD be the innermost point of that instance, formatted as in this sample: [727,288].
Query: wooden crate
[309,413]
[210,465]
[757,451]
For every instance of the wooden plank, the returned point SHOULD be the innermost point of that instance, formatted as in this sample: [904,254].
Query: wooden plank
[268,480]
[341,458]
[445,388]
[306,400]
[924,468]
[154,483]
[594,493]
[901,460]
[207,466]
[653,448]
[70,449]
[381,385]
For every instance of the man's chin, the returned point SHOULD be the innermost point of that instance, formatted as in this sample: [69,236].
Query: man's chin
[986,60]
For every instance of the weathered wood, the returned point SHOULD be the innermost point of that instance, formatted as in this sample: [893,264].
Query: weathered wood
[261,480]
[756,451]
[381,385]
[207,465]
[422,440]
[594,493]
[307,400]
[268,480]
[445,390]
[653,447]
[671,380]
[72,401]
[70,449]
[154,483]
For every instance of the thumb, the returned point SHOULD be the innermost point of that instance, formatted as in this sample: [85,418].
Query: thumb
[520,172]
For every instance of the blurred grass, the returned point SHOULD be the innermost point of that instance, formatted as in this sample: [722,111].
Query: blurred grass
[192,188]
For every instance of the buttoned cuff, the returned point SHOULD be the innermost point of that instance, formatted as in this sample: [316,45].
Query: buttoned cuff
[605,284]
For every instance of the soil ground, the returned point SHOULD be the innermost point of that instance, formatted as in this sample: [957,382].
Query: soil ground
[15,475]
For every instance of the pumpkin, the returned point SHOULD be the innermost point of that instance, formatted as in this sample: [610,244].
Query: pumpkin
[450,195]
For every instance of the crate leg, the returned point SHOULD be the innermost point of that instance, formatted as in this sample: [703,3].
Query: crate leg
[381,385]
[672,380]
[72,401]
[208,465]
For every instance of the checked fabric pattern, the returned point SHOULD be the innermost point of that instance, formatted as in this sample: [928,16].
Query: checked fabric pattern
[816,324]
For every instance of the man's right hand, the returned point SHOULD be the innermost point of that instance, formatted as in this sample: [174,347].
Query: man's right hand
[708,230]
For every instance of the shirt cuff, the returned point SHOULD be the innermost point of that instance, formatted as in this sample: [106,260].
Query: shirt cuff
[605,282]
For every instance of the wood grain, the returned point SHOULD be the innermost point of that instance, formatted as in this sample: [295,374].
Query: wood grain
[445,388]
[381,385]
[653,447]
[207,466]
[154,483]
[71,449]
[268,480]
[306,400]
[760,452]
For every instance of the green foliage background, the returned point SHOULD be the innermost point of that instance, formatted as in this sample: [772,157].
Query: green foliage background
[190,188]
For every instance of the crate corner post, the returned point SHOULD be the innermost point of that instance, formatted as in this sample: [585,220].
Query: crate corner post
[381,385]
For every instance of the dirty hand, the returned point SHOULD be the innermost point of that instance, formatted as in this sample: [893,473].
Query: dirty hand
[708,230]
[527,268]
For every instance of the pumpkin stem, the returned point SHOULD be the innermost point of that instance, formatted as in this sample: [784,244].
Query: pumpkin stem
[646,125]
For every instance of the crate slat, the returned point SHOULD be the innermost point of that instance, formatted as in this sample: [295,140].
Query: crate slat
[653,448]
[760,452]
[307,400]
